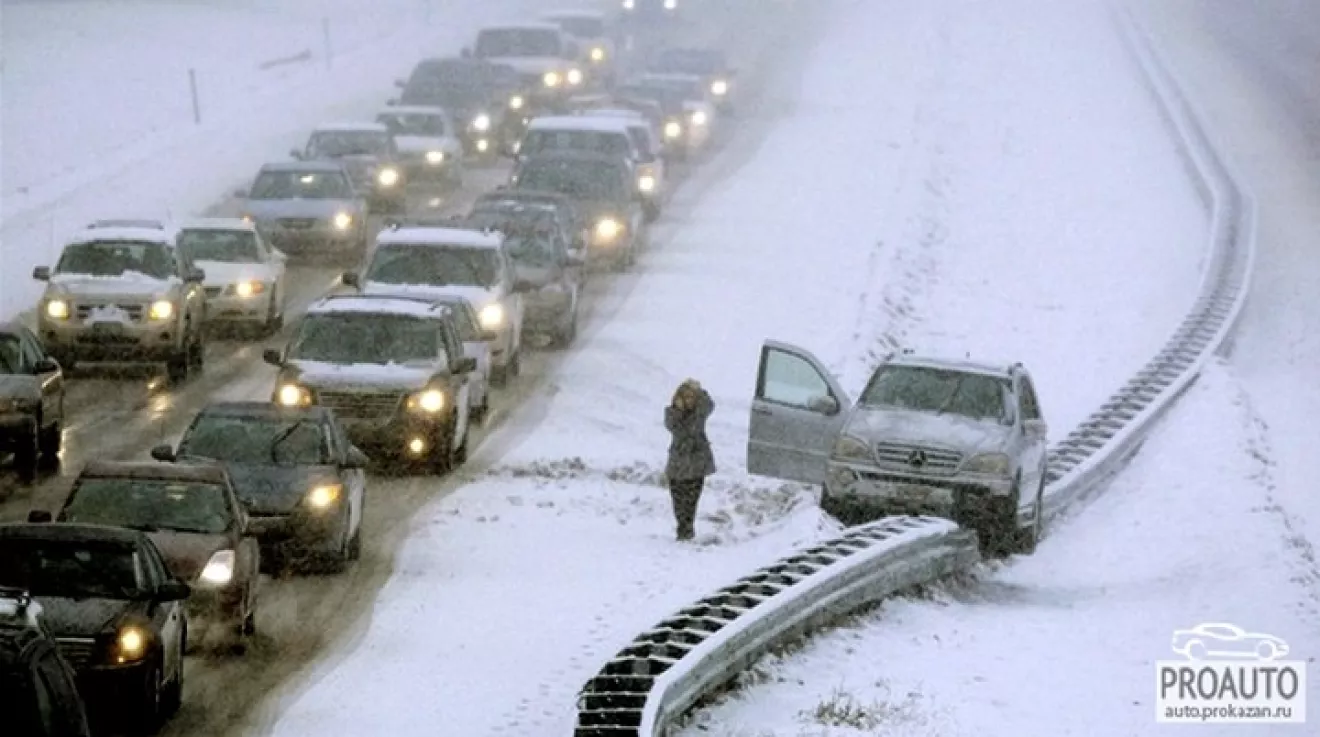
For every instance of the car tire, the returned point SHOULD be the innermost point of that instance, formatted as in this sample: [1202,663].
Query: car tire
[999,532]
[564,336]
[651,211]
[442,454]
[149,712]
[355,544]
[1029,537]
[27,456]
[461,452]
[49,443]
[248,627]
[274,318]
[178,365]
[197,353]
[172,696]
[479,413]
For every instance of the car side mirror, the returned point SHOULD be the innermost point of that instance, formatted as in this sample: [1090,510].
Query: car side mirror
[355,458]
[40,516]
[195,276]
[351,279]
[45,366]
[41,273]
[465,365]
[825,405]
[273,357]
[163,453]
[173,590]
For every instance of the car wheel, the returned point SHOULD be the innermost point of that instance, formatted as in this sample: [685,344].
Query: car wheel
[565,336]
[197,353]
[999,532]
[461,452]
[480,412]
[151,702]
[49,443]
[274,317]
[176,368]
[27,456]
[651,211]
[1029,536]
[442,452]
[355,544]
[172,698]
[249,626]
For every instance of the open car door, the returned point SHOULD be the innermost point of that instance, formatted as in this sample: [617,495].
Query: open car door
[797,412]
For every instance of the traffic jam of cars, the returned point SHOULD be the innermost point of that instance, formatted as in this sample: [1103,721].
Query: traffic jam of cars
[394,366]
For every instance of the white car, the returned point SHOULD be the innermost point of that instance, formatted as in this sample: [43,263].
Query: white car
[590,29]
[477,342]
[438,261]
[428,143]
[651,173]
[244,275]
[544,57]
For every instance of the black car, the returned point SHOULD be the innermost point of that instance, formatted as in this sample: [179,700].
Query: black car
[40,689]
[709,63]
[605,193]
[115,611]
[301,480]
[488,102]
[31,400]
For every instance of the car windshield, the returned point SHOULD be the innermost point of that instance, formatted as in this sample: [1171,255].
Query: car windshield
[150,505]
[445,83]
[689,61]
[8,354]
[925,389]
[583,180]
[117,258]
[332,144]
[601,142]
[413,124]
[438,266]
[258,439]
[70,569]
[301,185]
[683,88]
[364,337]
[229,246]
[669,98]
[581,26]
[528,233]
[517,42]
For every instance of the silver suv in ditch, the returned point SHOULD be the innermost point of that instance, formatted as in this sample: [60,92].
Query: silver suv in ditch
[122,291]
[955,438]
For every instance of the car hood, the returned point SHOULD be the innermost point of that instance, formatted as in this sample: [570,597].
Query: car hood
[82,617]
[478,296]
[222,273]
[530,64]
[350,376]
[130,284]
[19,386]
[423,144]
[876,424]
[593,210]
[298,208]
[275,489]
[186,553]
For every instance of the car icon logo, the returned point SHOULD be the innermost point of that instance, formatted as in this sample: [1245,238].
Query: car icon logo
[917,458]
[1219,640]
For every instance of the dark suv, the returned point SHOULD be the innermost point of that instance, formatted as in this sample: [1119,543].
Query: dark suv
[31,400]
[40,689]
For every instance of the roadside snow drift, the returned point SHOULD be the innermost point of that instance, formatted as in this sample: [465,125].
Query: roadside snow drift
[929,183]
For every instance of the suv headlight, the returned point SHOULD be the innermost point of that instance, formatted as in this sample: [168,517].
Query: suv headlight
[131,644]
[551,79]
[57,309]
[342,221]
[646,183]
[997,464]
[598,54]
[719,88]
[430,401]
[324,496]
[851,448]
[219,569]
[292,395]
[481,122]
[574,76]
[388,177]
[161,309]
[607,229]
[248,288]
[435,158]
[491,316]
[516,102]
[673,129]
[699,118]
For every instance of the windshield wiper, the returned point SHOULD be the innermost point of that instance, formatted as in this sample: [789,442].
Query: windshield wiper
[944,406]
[282,436]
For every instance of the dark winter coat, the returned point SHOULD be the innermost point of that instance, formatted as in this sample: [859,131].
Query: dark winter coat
[690,456]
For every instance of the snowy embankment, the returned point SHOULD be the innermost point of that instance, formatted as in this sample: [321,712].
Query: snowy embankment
[926,185]
[98,121]
[1066,640]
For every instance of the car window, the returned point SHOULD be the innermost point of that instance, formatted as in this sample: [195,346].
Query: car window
[156,571]
[434,266]
[11,354]
[517,42]
[118,258]
[588,180]
[1029,405]
[333,144]
[540,141]
[582,26]
[69,569]
[413,124]
[218,244]
[465,324]
[367,338]
[791,380]
[150,505]
[30,347]
[939,391]
[257,440]
[303,185]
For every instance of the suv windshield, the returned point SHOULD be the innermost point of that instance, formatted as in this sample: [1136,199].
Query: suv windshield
[332,144]
[582,27]
[69,569]
[670,99]
[689,61]
[364,337]
[600,142]
[256,439]
[301,185]
[437,266]
[413,124]
[924,389]
[150,505]
[117,258]
[528,233]
[517,42]
[229,246]
[584,180]
[683,88]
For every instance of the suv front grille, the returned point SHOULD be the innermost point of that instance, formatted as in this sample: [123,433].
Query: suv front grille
[361,406]
[77,651]
[134,312]
[297,223]
[901,456]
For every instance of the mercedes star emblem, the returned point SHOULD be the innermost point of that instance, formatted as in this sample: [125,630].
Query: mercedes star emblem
[917,458]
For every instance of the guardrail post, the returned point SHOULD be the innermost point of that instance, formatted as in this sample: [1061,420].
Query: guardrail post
[196,101]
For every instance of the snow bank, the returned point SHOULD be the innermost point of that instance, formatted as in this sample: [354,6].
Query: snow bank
[1069,637]
[108,130]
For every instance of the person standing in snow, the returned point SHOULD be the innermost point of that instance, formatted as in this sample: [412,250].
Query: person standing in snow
[690,457]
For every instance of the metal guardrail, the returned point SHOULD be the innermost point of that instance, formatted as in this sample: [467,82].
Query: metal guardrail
[666,670]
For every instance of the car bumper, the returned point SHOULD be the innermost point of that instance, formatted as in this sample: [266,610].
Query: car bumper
[546,310]
[961,498]
[299,533]
[232,308]
[148,341]
[421,170]
[109,688]
[390,439]
[313,240]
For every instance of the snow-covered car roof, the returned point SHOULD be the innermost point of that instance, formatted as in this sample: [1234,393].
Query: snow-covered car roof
[582,122]
[314,165]
[437,236]
[218,224]
[414,110]
[574,14]
[142,235]
[365,127]
[524,27]
[670,77]
[376,305]
[612,112]
[965,365]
